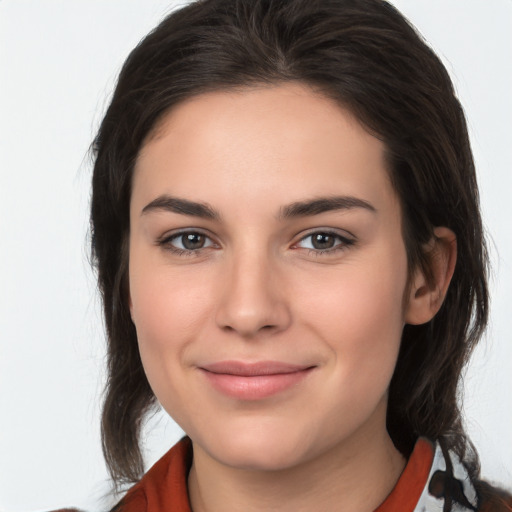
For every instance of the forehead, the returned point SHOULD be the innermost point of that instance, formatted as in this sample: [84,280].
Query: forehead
[259,141]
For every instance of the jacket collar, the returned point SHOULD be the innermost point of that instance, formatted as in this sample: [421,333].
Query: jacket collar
[448,486]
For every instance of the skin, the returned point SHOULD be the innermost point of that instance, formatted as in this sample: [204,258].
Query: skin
[256,288]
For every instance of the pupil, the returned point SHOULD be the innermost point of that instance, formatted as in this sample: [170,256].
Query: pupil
[193,241]
[323,241]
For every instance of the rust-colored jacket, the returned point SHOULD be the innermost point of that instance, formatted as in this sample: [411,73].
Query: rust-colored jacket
[164,487]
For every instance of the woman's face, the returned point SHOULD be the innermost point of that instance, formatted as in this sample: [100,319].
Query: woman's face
[267,274]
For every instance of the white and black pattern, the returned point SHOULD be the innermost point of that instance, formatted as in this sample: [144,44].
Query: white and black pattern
[448,487]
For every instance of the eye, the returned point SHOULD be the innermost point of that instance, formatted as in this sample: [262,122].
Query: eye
[324,241]
[186,242]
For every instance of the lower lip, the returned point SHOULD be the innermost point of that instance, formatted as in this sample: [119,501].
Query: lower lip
[254,387]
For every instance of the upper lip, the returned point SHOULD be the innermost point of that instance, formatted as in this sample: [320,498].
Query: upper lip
[260,368]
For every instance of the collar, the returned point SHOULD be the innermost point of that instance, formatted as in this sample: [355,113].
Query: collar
[434,480]
[448,485]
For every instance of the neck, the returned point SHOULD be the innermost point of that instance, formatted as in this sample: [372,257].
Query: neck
[357,475]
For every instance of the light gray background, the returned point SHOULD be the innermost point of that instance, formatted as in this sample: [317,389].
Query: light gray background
[58,63]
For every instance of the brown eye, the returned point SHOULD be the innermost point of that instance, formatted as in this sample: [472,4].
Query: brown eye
[323,241]
[187,241]
[191,241]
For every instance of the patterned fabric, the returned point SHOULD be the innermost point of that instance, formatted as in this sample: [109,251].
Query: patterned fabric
[448,486]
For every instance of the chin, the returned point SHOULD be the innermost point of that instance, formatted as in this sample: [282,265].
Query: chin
[256,448]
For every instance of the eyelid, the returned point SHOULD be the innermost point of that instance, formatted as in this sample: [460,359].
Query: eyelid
[182,231]
[342,233]
[166,239]
[346,239]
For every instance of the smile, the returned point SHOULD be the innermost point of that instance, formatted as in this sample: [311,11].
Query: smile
[253,381]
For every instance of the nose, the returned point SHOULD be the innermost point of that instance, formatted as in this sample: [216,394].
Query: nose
[253,299]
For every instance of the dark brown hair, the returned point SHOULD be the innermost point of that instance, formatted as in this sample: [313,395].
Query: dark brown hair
[367,57]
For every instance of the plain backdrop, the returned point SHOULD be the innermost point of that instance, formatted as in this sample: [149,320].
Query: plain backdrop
[58,64]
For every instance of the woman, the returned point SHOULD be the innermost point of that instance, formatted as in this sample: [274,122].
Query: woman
[291,258]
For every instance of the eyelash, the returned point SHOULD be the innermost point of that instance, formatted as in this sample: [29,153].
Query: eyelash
[166,243]
[344,243]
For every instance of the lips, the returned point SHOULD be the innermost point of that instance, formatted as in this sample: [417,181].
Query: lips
[253,381]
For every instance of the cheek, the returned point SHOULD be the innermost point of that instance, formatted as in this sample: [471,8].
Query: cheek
[164,298]
[358,313]
[168,313]
[160,313]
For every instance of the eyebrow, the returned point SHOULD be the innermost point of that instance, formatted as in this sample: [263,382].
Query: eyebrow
[324,204]
[181,206]
[297,209]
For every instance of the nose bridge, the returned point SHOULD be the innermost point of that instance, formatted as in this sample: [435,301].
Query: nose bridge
[253,298]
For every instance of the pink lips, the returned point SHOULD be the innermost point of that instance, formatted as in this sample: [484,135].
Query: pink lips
[253,381]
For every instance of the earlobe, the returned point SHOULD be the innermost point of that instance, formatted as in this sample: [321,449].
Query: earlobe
[426,294]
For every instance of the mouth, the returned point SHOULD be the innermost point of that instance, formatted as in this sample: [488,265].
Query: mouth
[254,381]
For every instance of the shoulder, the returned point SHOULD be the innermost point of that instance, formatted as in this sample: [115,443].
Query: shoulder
[164,486]
[493,499]
[451,482]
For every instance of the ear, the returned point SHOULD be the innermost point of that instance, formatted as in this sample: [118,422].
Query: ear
[427,295]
